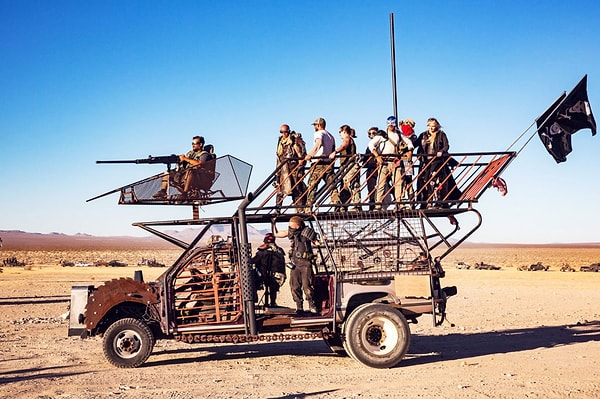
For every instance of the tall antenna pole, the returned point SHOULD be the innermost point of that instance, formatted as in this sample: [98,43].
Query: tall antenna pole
[393,47]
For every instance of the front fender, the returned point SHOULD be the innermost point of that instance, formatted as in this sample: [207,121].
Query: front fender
[114,292]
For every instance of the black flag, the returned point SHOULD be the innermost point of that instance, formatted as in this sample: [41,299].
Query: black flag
[569,114]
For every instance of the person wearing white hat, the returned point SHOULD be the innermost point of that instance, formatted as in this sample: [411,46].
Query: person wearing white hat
[322,169]
[385,147]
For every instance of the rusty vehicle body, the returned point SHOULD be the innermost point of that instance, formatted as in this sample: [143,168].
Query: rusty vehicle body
[375,271]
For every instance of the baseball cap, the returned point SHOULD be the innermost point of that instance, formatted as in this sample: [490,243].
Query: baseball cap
[319,121]
[410,122]
[391,120]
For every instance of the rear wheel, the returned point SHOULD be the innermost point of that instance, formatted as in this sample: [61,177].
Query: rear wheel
[128,343]
[377,335]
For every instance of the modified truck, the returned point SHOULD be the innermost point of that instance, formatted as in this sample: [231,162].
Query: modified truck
[375,271]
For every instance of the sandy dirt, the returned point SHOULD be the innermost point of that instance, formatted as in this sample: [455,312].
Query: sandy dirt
[516,334]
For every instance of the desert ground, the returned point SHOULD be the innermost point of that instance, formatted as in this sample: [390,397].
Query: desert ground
[514,334]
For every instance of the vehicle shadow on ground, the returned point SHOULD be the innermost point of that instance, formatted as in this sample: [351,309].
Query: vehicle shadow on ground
[208,352]
[37,373]
[430,348]
[30,300]
[424,348]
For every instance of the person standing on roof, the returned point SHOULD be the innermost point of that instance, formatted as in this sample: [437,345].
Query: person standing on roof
[290,153]
[350,192]
[407,127]
[299,193]
[404,148]
[386,146]
[435,181]
[370,165]
[322,168]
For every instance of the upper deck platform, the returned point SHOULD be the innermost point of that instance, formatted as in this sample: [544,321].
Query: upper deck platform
[440,186]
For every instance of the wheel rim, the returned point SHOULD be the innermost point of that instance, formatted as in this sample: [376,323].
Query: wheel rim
[380,336]
[127,344]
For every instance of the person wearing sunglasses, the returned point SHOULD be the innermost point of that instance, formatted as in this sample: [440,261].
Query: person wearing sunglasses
[291,150]
[180,178]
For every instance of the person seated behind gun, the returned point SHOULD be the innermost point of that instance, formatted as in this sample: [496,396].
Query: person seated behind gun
[181,177]
[270,262]
[205,174]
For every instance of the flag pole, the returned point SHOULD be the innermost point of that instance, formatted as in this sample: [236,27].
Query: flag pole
[393,54]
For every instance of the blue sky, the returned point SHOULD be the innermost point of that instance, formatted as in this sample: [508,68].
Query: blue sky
[88,80]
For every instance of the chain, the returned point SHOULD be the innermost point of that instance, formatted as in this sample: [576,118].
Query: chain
[240,338]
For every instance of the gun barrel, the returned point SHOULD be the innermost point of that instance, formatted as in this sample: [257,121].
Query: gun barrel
[166,159]
[119,161]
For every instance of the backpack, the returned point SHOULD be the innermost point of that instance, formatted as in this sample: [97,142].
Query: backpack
[276,261]
[401,149]
[299,143]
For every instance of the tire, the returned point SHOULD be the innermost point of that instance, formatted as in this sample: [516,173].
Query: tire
[335,343]
[128,343]
[377,335]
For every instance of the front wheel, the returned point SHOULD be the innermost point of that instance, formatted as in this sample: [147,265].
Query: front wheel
[377,335]
[128,343]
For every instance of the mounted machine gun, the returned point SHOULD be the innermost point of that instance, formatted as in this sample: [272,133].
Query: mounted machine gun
[164,159]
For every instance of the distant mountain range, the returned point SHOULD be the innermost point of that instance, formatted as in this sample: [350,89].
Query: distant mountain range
[17,240]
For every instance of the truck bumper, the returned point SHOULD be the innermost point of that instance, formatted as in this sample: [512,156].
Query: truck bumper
[79,298]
